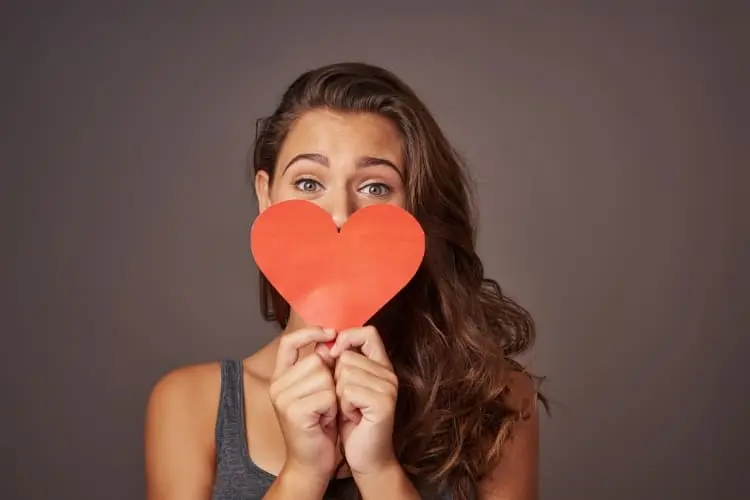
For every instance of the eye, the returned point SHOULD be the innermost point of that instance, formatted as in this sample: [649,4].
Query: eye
[307,185]
[376,189]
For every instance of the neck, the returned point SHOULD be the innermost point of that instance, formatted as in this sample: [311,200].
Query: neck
[295,322]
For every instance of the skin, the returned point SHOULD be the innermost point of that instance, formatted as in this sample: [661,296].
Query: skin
[301,397]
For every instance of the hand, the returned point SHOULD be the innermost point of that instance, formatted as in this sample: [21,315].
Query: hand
[367,389]
[303,395]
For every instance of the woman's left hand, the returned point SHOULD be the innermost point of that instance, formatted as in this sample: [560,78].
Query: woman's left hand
[367,389]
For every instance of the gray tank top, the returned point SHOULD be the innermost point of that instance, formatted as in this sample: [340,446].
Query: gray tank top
[237,476]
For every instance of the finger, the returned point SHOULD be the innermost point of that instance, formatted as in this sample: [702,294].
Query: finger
[353,375]
[312,385]
[291,343]
[366,339]
[352,364]
[314,410]
[324,351]
[355,400]
[306,376]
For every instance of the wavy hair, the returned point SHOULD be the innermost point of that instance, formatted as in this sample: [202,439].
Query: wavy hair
[451,333]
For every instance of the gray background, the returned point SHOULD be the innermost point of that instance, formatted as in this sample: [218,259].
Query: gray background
[609,145]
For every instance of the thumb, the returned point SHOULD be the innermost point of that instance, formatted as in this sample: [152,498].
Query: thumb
[324,351]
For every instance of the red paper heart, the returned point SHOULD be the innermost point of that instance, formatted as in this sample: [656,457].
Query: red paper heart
[337,279]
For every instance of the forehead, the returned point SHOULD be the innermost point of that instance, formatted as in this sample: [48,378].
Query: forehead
[343,135]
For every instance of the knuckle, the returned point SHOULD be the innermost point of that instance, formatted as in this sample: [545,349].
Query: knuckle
[342,336]
[279,402]
[346,357]
[285,342]
[343,370]
[275,389]
[387,388]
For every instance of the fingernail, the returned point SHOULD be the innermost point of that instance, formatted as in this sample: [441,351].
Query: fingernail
[329,331]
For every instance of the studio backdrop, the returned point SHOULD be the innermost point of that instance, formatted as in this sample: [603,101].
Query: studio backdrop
[610,159]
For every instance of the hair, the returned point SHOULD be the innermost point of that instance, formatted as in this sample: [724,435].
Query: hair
[451,333]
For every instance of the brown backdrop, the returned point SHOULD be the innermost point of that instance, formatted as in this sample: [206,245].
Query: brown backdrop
[609,147]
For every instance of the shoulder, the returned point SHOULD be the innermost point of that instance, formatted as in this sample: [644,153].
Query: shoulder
[516,475]
[523,398]
[523,394]
[185,401]
[178,433]
[185,388]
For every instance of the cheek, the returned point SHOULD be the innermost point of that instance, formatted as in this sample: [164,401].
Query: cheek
[285,192]
[399,199]
[282,192]
[397,196]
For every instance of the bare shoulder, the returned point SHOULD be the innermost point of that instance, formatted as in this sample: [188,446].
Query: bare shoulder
[184,384]
[523,397]
[516,476]
[179,438]
[186,394]
[523,394]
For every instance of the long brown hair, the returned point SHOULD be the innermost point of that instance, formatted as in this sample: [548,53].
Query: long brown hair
[451,333]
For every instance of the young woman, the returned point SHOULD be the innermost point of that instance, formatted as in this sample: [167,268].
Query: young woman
[425,401]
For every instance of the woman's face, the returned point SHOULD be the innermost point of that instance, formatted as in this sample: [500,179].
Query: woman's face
[339,161]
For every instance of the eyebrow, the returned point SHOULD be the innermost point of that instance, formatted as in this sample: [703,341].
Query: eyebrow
[365,161]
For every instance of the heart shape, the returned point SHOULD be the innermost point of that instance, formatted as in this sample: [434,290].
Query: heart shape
[336,279]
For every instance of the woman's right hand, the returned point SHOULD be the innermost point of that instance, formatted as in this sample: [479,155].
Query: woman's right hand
[303,394]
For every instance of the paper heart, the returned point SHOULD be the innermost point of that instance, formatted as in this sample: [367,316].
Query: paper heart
[336,279]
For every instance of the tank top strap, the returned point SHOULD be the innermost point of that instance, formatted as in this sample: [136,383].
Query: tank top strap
[230,419]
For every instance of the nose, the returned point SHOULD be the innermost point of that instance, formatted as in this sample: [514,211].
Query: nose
[340,206]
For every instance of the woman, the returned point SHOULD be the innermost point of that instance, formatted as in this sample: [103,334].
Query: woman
[424,400]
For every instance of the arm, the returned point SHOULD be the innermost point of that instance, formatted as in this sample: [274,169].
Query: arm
[290,485]
[516,477]
[179,447]
[390,483]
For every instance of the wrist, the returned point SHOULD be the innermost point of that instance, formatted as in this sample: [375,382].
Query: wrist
[301,482]
[387,481]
